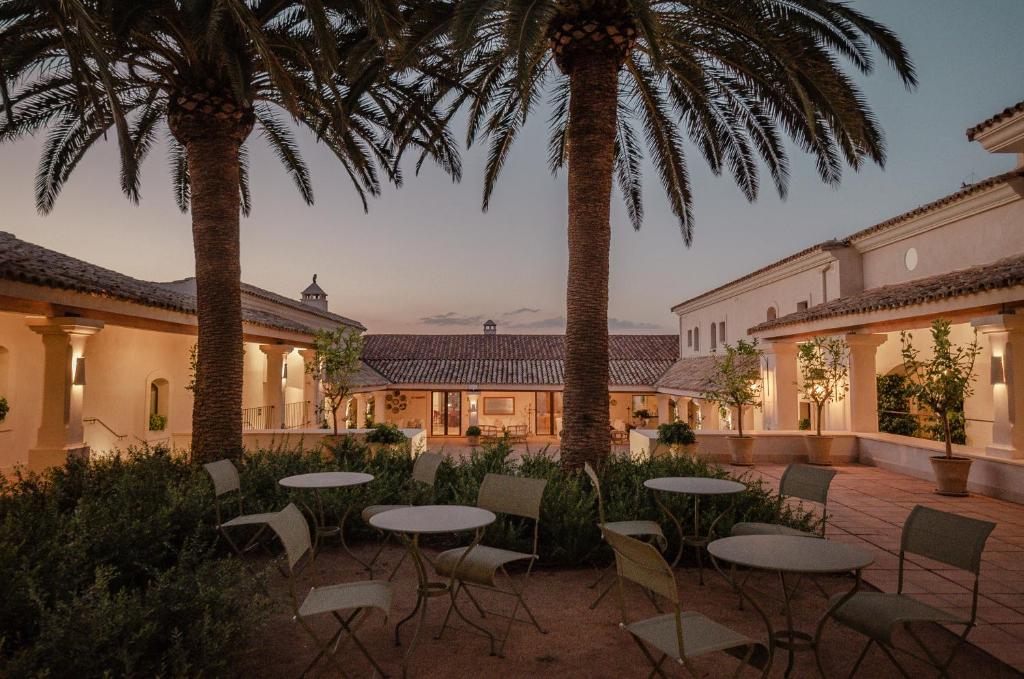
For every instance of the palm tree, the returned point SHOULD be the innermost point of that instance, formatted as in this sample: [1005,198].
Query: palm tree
[213,71]
[733,76]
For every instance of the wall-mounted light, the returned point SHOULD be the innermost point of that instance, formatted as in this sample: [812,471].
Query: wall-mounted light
[78,379]
[998,371]
[284,368]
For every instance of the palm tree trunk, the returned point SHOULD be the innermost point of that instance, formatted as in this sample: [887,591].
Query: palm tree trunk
[213,166]
[591,148]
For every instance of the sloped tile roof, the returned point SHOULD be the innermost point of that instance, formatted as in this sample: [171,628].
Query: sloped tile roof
[33,264]
[510,359]
[1005,273]
[695,373]
[999,117]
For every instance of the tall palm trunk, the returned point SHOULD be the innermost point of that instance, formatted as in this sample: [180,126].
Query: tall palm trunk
[590,142]
[212,136]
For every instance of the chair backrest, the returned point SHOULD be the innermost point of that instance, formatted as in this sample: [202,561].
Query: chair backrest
[515,495]
[641,563]
[424,470]
[589,471]
[293,531]
[807,482]
[954,540]
[224,475]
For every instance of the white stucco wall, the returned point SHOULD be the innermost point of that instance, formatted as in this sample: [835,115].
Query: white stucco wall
[23,388]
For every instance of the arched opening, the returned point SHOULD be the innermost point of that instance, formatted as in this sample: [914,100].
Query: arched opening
[5,381]
[772,313]
[159,404]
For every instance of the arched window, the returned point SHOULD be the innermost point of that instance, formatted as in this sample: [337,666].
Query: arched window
[159,404]
[772,313]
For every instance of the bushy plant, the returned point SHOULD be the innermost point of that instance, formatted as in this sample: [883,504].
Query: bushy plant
[736,379]
[676,433]
[804,424]
[388,434]
[4,408]
[157,422]
[473,430]
[894,416]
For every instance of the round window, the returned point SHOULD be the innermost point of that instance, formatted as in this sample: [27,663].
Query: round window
[910,259]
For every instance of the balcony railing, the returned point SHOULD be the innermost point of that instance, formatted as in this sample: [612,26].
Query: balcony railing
[259,417]
[296,415]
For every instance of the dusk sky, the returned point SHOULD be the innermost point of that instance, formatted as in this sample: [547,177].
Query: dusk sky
[426,259]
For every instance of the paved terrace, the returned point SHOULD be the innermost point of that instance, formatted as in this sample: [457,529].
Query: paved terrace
[868,506]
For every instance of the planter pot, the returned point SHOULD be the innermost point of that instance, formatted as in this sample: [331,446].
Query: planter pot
[819,449]
[742,448]
[473,440]
[951,474]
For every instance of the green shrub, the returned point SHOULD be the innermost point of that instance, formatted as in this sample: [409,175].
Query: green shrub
[676,433]
[157,422]
[894,416]
[804,424]
[4,408]
[473,430]
[385,433]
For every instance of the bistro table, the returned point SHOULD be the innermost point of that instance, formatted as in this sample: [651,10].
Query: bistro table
[697,486]
[318,482]
[411,522]
[792,555]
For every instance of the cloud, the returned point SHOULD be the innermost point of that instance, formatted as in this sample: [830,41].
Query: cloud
[555,322]
[521,311]
[451,318]
[621,324]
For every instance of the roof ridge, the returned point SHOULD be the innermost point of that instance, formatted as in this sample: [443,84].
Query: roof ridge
[1010,110]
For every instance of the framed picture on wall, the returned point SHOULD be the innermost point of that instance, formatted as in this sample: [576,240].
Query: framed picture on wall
[499,405]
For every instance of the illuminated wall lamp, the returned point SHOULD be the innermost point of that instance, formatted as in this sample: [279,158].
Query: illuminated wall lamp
[79,373]
[998,372]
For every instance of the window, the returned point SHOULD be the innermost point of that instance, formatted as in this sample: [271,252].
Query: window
[721,332]
[714,336]
[696,339]
[5,372]
[772,314]
[689,338]
[548,416]
[159,404]
[801,306]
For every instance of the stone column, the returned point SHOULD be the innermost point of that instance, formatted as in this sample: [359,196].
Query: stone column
[663,410]
[360,411]
[61,432]
[274,386]
[863,381]
[311,392]
[1005,335]
[781,395]
[379,413]
[709,415]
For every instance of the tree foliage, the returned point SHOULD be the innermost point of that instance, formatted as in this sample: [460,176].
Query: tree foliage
[336,362]
[736,380]
[824,371]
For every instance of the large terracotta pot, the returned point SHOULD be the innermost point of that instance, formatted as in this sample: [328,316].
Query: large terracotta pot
[473,440]
[742,448]
[819,449]
[951,474]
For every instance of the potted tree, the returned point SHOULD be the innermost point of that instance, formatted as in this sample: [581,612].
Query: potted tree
[4,408]
[825,372]
[336,362]
[473,435]
[941,384]
[736,382]
[680,439]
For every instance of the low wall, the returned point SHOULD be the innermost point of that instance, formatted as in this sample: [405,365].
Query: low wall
[769,446]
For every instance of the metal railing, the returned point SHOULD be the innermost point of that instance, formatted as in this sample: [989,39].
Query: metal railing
[298,415]
[96,420]
[259,417]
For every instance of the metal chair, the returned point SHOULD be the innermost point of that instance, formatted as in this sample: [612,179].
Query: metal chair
[225,480]
[679,635]
[513,496]
[424,473]
[649,529]
[801,481]
[951,539]
[290,526]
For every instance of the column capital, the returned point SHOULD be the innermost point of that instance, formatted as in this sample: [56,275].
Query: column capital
[307,354]
[65,325]
[872,340]
[998,323]
[275,349]
[781,347]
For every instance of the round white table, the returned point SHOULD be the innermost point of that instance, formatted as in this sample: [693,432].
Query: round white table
[318,482]
[792,555]
[411,522]
[698,487]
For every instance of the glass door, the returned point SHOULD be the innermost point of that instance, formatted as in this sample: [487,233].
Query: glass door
[446,413]
[545,423]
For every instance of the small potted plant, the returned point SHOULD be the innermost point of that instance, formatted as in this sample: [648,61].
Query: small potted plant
[473,434]
[941,384]
[680,439]
[4,408]
[736,382]
[824,367]
[804,424]
[157,422]
[643,415]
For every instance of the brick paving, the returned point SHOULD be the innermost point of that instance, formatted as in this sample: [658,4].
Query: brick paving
[867,507]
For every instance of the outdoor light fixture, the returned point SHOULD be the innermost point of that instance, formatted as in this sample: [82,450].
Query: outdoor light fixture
[998,371]
[284,369]
[78,378]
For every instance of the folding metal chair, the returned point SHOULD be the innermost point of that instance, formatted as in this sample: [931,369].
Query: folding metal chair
[226,480]
[804,482]
[951,539]
[424,473]
[679,635]
[513,496]
[649,529]
[290,526]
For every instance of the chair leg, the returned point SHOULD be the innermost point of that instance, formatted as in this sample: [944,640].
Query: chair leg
[323,650]
[359,644]
[744,661]
[942,667]
[892,658]
[602,595]
[476,604]
[655,664]
[860,658]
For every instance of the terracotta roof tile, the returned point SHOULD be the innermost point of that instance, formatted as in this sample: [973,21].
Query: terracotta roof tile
[694,374]
[1002,115]
[1004,273]
[510,359]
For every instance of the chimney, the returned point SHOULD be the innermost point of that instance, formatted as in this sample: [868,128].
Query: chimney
[314,296]
[490,328]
